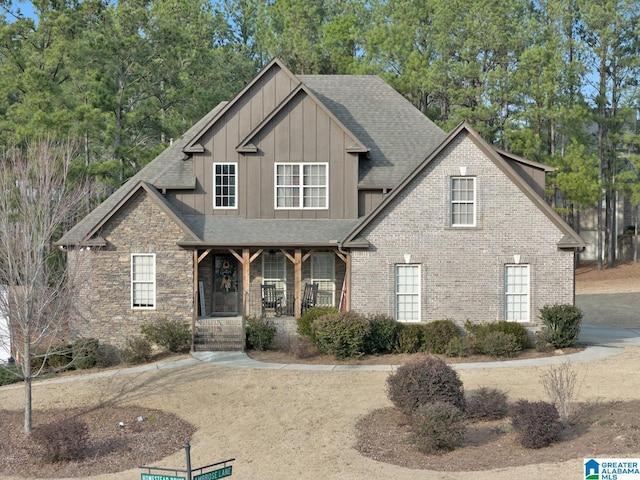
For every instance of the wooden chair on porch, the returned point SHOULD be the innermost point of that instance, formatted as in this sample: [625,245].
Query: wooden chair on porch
[271,300]
[309,296]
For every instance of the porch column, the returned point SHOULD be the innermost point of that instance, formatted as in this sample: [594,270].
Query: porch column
[297,282]
[194,303]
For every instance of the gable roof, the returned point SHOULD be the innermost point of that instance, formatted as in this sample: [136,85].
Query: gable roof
[570,238]
[245,145]
[398,135]
[192,145]
[167,168]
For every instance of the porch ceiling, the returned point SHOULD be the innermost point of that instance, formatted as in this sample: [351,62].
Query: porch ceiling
[235,231]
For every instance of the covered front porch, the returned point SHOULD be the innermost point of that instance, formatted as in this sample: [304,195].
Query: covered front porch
[229,287]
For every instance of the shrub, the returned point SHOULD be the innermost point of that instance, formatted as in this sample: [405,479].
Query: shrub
[174,336]
[260,333]
[543,341]
[62,441]
[562,323]
[458,347]
[537,423]
[437,427]
[86,353]
[497,339]
[487,404]
[410,337]
[559,381]
[424,381]
[383,335]
[341,334]
[500,344]
[517,330]
[9,374]
[438,334]
[305,321]
[137,350]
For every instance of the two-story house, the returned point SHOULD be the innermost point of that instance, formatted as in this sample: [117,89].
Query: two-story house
[335,181]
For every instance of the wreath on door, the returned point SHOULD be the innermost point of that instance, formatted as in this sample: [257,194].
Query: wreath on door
[226,271]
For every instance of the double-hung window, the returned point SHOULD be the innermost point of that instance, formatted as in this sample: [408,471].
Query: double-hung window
[225,185]
[274,272]
[463,201]
[143,280]
[302,185]
[516,293]
[407,293]
[323,274]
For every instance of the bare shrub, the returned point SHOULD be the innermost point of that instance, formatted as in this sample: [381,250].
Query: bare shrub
[559,381]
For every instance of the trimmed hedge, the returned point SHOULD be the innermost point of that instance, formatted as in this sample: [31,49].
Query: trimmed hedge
[174,336]
[383,335]
[437,427]
[537,423]
[341,334]
[561,324]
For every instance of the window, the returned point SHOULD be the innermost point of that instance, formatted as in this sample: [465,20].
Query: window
[301,185]
[143,280]
[225,185]
[516,293]
[408,293]
[274,271]
[463,201]
[323,274]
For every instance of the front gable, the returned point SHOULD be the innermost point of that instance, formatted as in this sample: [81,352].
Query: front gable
[142,207]
[465,154]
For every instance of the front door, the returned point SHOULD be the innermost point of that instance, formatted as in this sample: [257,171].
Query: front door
[225,285]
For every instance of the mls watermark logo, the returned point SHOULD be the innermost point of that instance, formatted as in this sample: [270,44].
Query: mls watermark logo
[612,468]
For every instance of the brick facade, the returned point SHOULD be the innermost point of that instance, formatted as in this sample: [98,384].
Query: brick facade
[462,269]
[103,275]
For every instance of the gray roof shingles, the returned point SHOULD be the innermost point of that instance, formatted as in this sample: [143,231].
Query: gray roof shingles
[398,135]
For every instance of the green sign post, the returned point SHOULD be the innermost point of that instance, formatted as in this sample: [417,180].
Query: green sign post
[152,476]
[221,472]
[215,474]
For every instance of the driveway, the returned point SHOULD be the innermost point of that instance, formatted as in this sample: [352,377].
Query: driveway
[610,319]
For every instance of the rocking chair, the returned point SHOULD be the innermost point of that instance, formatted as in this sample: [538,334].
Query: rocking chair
[271,300]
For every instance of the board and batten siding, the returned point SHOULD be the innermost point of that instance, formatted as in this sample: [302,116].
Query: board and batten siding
[301,132]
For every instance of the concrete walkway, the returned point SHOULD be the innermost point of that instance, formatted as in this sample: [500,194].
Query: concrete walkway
[601,342]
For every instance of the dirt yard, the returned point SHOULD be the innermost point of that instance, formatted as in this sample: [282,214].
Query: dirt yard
[286,424]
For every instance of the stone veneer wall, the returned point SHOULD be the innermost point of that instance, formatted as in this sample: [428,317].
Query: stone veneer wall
[104,274]
[462,269]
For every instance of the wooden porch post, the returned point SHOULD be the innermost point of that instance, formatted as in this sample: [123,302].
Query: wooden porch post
[297,282]
[194,309]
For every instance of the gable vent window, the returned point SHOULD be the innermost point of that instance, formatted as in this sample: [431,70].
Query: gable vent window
[301,185]
[225,185]
[143,281]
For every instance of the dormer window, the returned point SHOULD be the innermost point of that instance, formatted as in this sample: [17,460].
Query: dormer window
[301,185]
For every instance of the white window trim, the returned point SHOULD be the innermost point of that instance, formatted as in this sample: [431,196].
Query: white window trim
[321,280]
[474,201]
[153,282]
[235,195]
[527,294]
[301,186]
[396,294]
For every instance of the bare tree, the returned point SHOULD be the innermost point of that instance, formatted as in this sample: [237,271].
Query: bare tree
[39,199]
